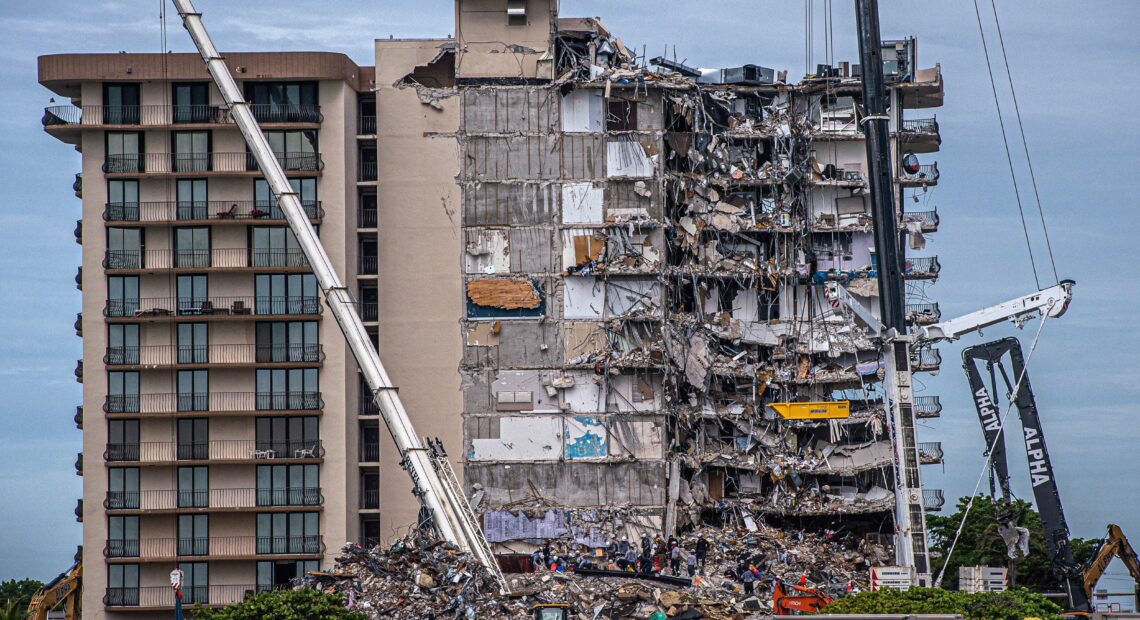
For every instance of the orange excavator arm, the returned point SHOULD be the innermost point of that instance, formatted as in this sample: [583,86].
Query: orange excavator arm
[1115,545]
[64,589]
[804,600]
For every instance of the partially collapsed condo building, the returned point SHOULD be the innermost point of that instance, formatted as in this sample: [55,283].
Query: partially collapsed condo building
[592,276]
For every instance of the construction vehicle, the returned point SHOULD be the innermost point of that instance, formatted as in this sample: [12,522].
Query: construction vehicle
[1114,545]
[63,591]
[797,600]
[443,503]
[551,611]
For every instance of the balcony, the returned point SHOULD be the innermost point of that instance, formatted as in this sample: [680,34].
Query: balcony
[366,125]
[215,450]
[213,548]
[926,175]
[920,135]
[927,219]
[211,259]
[78,417]
[370,453]
[162,597]
[930,452]
[205,212]
[366,171]
[163,355]
[921,268]
[369,311]
[210,307]
[366,218]
[197,164]
[923,314]
[368,405]
[217,500]
[78,325]
[77,185]
[370,499]
[925,359]
[287,113]
[79,371]
[369,265]
[927,407]
[78,232]
[215,403]
[103,116]
[933,500]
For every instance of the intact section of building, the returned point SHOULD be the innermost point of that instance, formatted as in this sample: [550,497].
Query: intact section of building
[222,435]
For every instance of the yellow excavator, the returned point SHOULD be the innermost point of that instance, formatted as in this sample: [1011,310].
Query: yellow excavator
[1115,545]
[65,590]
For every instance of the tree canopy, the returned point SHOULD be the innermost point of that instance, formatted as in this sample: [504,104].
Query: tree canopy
[15,594]
[300,604]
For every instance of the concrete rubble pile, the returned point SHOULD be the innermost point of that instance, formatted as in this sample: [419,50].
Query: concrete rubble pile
[422,578]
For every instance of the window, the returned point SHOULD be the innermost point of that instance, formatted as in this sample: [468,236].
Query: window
[122,440]
[274,575]
[281,341]
[122,488]
[120,104]
[369,530]
[123,199]
[296,149]
[122,585]
[123,343]
[193,439]
[191,103]
[195,583]
[369,258]
[621,115]
[288,485]
[284,102]
[368,169]
[286,294]
[123,152]
[193,390]
[122,391]
[191,151]
[370,489]
[367,215]
[193,487]
[122,537]
[122,295]
[193,199]
[193,343]
[193,535]
[275,246]
[124,248]
[192,293]
[369,442]
[287,389]
[289,437]
[293,532]
[192,247]
[265,202]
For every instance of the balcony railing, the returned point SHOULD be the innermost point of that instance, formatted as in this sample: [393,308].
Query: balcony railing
[368,405]
[369,311]
[101,115]
[933,499]
[214,402]
[927,174]
[214,450]
[202,210]
[924,313]
[214,258]
[928,219]
[927,407]
[369,265]
[366,125]
[370,498]
[370,453]
[160,597]
[925,358]
[196,163]
[366,218]
[367,171]
[211,305]
[213,547]
[287,113]
[922,267]
[77,185]
[221,499]
[218,354]
[920,125]
[930,452]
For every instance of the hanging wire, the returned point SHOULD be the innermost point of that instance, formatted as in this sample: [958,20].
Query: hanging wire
[1005,140]
[1024,142]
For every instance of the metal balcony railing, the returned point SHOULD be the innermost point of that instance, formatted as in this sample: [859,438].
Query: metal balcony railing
[79,371]
[366,125]
[102,115]
[221,354]
[213,547]
[78,417]
[161,597]
[925,358]
[78,325]
[368,405]
[369,265]
[928,219]
[927,407]
[214,450]
[366,218]
[933,499]
[370,498]
[212,305]
[196,163]
[920,125]
[367,171]
[214,258]
[202,210]
[369,311]
[370,453]
[923,313]
[930,452]
[230,499]
[927,174]
[217,402]
[287,113]
[78,232]
[77,185]
[922,267]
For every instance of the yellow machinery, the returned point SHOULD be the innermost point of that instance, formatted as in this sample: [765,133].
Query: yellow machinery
[64,590]
[551,611]
[829,410]
[1114,545]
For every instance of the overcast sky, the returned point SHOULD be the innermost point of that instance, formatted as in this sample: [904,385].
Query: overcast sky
[1077,73]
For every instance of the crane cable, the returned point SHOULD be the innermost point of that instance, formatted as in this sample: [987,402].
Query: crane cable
[990,450]
[1005,140]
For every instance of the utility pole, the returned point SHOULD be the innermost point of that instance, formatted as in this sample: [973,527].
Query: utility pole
[910,536]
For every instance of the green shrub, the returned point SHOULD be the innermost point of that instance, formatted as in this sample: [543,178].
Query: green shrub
[302,604]
[1014,604]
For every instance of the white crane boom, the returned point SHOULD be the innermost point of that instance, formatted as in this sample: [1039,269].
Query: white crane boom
[432,480]
[1053,301]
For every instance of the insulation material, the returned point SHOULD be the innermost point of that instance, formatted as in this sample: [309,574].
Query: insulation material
[628,158]
[586,438]
[488,252]
[582,339]
[581,247]
[583,111]
[582,298]
[638,438]
[505,526]
[501,298]
[521,438]
[582,203]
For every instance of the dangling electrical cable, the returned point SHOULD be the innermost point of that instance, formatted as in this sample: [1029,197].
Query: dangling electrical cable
[1005,140]
[1024,143]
